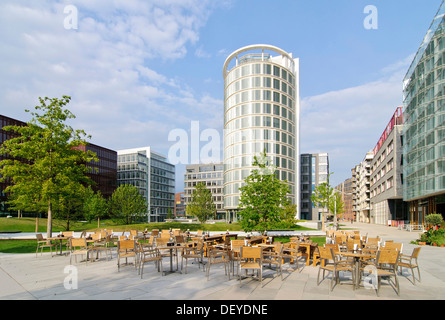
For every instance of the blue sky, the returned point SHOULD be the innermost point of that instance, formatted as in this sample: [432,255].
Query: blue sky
[136,70]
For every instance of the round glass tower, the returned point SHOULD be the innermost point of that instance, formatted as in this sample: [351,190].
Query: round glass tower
[261,112]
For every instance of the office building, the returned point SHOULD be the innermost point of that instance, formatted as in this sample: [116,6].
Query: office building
[361,192]
[345,189]
[314,171]
[261,113]
[211,174]
[153,175]
[387,203]
[103,174]
[179,204]
[424,126]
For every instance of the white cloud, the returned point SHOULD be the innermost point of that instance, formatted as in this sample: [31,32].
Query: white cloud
[347,123]
[109,65]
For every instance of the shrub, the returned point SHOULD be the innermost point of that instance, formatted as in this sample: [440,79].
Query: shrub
[434,219]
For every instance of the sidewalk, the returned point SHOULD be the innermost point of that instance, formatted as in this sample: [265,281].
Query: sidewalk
[23,276]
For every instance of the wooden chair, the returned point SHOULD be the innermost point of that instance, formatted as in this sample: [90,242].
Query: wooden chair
[275,257]
[42,243]
[79,247]
[235,249]
[330,263]
[149,254]
[410,261]
[194,252]
[101,244]
[251,259]
[218,255]
[385,265]
[291,251]
[126,249]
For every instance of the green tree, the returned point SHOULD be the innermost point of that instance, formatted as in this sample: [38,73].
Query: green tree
[336,205]
[95,206]
[201,205]
[321,197]
[44,158]
[263,197]
[127,204]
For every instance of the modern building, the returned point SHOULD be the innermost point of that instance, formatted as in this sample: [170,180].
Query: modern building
[211,174]
[261,113]
[387,205]
[424,125]
[179,204]
[104,173]
[6,135]
[153,175]
[314,171]
[361,193]
[345,189]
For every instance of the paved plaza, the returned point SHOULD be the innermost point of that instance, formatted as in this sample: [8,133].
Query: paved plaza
[25,277]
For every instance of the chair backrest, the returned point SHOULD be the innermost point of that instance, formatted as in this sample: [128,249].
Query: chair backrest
[165,234]
[179,239]
[278,248]
[67,233]
[387,256]
[78,242]
[326,253]
[121,238]
[39,237]
[126,245]
[334,246]
[199,233]
[96,236]
[251,252]
[373,241]
[134,232]
[176,232]
[416,252]
[236,243]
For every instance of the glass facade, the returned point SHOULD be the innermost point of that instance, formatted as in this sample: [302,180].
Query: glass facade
[151,173]
[424,117]
[261,113]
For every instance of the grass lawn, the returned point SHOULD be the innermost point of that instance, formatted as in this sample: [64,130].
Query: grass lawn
[29,225]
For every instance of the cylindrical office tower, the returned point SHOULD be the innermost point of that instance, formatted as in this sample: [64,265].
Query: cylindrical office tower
[261,112]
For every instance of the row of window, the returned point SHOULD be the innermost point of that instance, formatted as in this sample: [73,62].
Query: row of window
[259,95]
[388,184]
[212,175]
[259,108]
[259,82]
[260,121]
[250,69]
[258,147]
[258,135]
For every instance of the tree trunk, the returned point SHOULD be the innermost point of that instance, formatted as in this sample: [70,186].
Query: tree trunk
[37,224]
[49,225]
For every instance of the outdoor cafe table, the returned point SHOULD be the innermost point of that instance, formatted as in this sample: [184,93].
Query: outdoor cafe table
[357,255]
[171,248]
[59,238]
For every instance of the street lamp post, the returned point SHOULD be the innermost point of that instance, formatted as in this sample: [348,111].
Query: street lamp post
[335,205]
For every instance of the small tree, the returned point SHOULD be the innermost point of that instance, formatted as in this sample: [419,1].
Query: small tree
[44,159]
[336,205]
[321,198]
[95,206]
[126,204]
[201,206]
[434,219]
[263,197]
